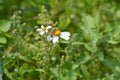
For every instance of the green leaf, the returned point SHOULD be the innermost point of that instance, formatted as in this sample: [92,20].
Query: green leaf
[64,21]
[97,19]
[40,70]
[1,45]
[54,71]
[112,77]
[5,25]
[90,47]
[101,56]
[23,58]
[78,43]
[114,35]
[118,13]
[109,77]
[85,72]
[8,74]
[3,40]
[70,76]
[82,59]
[113,42]
[7,35]
[117,77]
[88,21]
[75,66]
[113,64]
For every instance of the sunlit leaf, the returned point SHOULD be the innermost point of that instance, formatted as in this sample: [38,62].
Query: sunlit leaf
[113,42]
[3,40]
[8,74]
[5,25]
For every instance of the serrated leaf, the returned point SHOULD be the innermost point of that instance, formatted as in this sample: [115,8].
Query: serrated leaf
[5,25]
[88,21]
[3,40]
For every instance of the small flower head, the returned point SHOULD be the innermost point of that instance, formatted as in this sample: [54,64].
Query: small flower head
[56,34]
[43,29]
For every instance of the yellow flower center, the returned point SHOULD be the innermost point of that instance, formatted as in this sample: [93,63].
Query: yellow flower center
[57,32]
[44,28]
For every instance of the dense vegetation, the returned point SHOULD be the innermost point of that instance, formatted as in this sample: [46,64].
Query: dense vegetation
[91,53]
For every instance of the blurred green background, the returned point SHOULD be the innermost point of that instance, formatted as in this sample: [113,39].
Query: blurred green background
[93,53]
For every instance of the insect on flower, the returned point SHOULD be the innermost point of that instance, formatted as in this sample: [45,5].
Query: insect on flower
[43,29]
[56,34]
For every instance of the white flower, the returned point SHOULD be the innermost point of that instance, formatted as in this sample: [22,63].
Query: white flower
[43,29]
[56,34]
[15,70]
[49,38]
[53,58]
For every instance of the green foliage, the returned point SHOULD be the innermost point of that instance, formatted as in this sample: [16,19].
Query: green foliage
[92,53]
[1,70]
[5,26]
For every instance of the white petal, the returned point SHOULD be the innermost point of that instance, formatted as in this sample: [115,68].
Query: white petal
[55,39]
[65,35]
[39,30]
[46,31]
[48,27]
[42,32]
[49,38]
[42,26]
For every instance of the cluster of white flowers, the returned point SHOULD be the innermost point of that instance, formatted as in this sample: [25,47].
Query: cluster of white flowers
[54,35]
